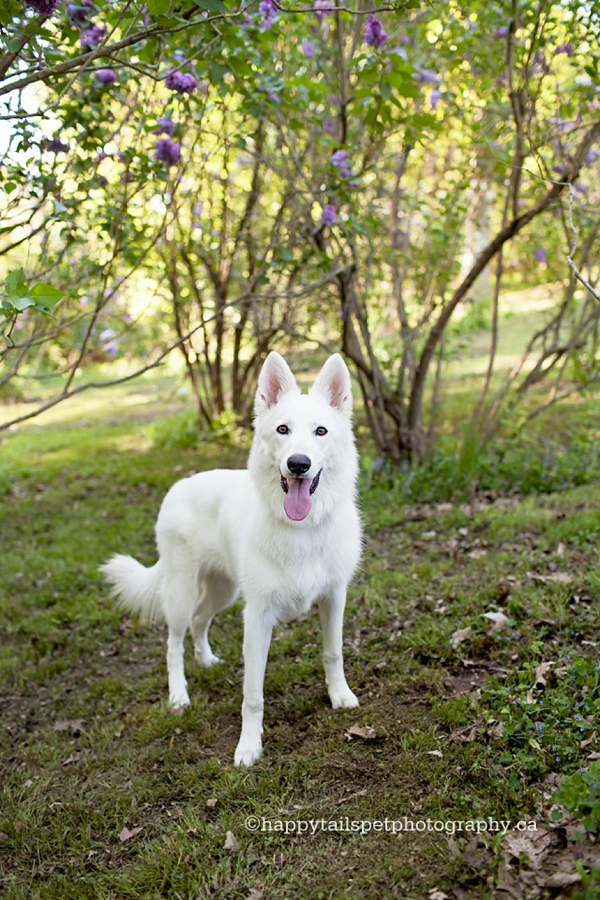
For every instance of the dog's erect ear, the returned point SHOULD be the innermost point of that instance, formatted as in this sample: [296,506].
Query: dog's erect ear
[275,379]
[333,382]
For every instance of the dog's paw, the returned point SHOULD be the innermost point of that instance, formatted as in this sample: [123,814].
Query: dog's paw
[344,699]
[179,703]
[247,755]
[206,659]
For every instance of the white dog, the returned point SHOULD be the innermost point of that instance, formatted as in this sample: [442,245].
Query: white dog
[285,532]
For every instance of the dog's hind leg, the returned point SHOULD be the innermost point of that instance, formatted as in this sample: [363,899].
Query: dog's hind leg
[178,695]
[179,598]
[218,593]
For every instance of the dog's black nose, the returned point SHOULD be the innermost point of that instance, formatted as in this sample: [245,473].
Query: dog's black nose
[298,464]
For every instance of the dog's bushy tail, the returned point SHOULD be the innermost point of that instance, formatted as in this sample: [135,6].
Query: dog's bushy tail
[136,587]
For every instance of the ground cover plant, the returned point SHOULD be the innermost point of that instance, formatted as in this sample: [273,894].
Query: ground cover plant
[471,639]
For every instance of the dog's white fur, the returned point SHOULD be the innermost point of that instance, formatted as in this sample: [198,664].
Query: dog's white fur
[224,531]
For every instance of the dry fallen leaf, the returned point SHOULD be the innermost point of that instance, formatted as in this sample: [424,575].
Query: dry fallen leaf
[540,673]
[498,619]
[563,879]
[362,731]
[534,844]
[126,834]
[70,759]
[558,577]
[230,842]
[495,730]
[211,802]
[589,740]
[72,725]
[461,635]
[539,680]
[435,753]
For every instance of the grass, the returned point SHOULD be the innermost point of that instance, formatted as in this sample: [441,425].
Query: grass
[108,795]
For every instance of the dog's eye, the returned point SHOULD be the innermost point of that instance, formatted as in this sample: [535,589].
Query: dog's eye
[321,430]
[283,429]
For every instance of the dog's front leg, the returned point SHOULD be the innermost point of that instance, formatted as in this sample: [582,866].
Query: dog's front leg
[257,639]
[332,620]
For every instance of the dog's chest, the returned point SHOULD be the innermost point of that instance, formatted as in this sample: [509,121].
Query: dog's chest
[290,575]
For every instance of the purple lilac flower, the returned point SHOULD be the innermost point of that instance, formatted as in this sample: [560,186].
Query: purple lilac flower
[501,32]
[92,37]
[45,7]
[57,146]
[79,13]
[339,158]
[374,35]
[540,255]
[112,348]
[106,76]
[182,82]
[540,64]
[268,11]
[308,48]
[329,126]
[426,76]
[329,216]
[165,125]
[167,151]
[323,8]
[568,48]
[341,161]
[399,51]
[434,97]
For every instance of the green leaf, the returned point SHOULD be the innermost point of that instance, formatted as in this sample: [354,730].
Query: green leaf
[218,71]
[21,303]
[46,292]
[158,7]
[15,281]
[385,89]
[211,5]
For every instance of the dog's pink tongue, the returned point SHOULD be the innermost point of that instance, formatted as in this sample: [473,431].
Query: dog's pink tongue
[297,501]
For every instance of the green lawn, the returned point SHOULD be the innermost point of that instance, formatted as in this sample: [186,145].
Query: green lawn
[108,795]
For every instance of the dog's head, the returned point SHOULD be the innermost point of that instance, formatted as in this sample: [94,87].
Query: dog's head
[303,458]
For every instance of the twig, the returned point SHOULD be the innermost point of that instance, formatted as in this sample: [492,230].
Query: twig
[570,255]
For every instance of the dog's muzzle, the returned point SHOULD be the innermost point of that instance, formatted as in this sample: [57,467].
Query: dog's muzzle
[298,490]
